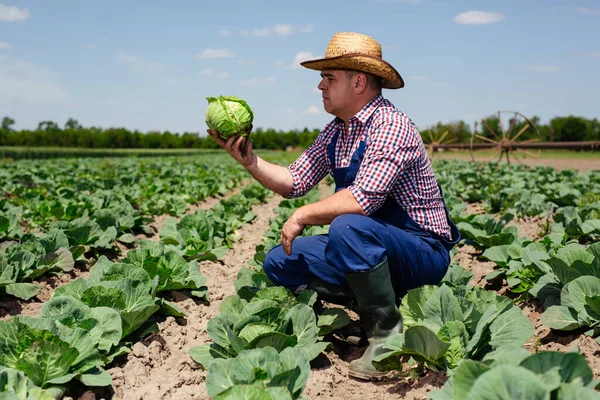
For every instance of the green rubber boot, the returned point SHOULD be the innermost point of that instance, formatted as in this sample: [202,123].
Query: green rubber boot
[331,293]
[378,314]
[342,296]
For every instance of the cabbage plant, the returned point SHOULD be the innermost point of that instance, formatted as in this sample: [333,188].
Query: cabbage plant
[229,116]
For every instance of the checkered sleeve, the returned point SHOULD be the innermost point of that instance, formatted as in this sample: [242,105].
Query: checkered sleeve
[310,167]
[392,146]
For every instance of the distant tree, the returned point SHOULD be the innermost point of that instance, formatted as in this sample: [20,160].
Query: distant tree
[490,127]
[592,130]
[48,126]
[568,129]
[72,124]
[7,124]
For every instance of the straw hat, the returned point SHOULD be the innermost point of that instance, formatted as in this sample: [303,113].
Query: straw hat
[355,51]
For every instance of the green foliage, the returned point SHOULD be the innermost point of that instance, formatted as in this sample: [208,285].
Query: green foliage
[518,375]
[272,318]
[449,323]
[259,374]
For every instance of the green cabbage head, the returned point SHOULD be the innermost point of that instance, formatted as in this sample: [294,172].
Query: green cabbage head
[229,116]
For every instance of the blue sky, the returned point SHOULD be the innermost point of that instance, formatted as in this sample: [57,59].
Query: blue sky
[149,65]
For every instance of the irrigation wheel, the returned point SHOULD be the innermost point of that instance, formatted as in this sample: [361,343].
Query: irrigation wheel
[439,135]
[500,141]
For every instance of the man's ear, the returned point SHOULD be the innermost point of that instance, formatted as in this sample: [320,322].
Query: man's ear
[360,84]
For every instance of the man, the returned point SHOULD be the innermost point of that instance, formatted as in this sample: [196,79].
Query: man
[389,226]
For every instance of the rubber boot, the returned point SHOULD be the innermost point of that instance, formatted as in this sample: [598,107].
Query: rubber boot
[331,293]
[378,313]
[337,295]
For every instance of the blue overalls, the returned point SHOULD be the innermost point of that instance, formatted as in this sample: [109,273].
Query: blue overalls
[357,242]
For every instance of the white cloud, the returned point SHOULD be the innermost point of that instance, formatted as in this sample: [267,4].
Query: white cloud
[300,57]
[316,91]
[583,10]
[206,72]
[222,75]
[260,32]
[5,46]
[284,30]
[478,17]
[594,54]
[138,64]
[540,68]
[30,83]
[215,53]
[13,14]
[224,33]
[258,81]
[313,110]
[91,46]
[278,29]
[303,56]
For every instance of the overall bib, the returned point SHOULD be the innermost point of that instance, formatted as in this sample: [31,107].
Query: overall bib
[357,243]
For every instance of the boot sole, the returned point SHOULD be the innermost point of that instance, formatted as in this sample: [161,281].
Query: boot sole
[368,376]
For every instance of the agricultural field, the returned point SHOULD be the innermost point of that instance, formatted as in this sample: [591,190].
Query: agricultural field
[140,278]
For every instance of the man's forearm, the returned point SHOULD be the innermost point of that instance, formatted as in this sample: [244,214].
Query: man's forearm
[326,210]
[272,176]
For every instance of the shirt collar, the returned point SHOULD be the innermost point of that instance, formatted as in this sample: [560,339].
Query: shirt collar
[365,113]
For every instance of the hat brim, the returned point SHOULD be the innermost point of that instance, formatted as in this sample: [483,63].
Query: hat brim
[391,79]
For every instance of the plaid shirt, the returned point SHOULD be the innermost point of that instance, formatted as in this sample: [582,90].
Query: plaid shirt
[395,163]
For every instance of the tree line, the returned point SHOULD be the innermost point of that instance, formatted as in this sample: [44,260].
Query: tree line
[72,134]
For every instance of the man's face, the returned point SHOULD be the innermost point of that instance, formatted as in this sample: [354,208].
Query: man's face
[336,89]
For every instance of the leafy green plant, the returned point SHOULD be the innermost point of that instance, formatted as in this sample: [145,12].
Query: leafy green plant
[259,374]
[578,223]
[15,385]
[272,318]
[51,353]
[541,376]
[569,263]
[9,224]
[483,231]
[444,325]
[33,256]
[523,262]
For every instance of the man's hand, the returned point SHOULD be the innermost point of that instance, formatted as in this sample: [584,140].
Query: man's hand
[291,229]
[234,145]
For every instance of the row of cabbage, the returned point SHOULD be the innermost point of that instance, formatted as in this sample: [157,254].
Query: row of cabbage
[67,189]
[80,209]
[556,269]
[91,321]
[265,336]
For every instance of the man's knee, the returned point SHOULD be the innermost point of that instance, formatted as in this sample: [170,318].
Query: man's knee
[272,264]
[345,226]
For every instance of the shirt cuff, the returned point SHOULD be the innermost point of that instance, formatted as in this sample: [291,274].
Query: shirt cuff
[369,202]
